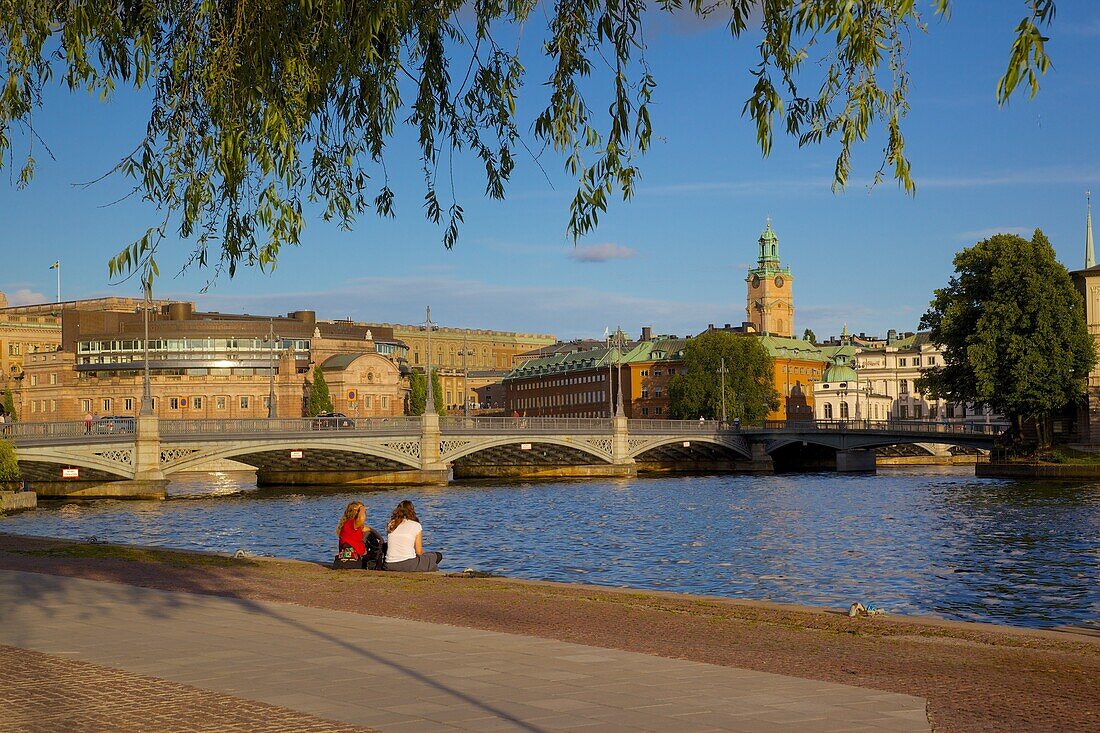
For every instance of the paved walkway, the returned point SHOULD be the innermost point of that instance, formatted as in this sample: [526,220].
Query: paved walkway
[404,676]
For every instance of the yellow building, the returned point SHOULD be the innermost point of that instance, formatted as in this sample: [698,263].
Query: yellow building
[485,351]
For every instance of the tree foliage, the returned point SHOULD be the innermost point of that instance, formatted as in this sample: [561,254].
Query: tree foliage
[8,401]
[259,107]
[418,395]
[1013,331]
[750,379]
[809,335]
[9,465]
[319,398]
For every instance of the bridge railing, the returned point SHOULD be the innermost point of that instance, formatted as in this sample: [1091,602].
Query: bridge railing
[891,426]
[99,431]
[524,425]
[676,426]
[319,426]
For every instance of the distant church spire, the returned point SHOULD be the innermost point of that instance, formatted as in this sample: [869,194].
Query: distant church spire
[1090,256]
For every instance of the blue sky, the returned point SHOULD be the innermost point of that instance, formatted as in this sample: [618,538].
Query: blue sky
[675,256]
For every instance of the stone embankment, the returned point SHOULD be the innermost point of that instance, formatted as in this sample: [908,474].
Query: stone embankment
[17,501]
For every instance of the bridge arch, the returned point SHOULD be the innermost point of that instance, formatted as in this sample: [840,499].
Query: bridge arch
[737,445]
[206,452]
[594,446]
[107,464]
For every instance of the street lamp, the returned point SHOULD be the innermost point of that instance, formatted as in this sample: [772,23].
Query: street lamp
[427,325]
[465,378]
[271,338]
[146,389]
[723,371]
[619,342]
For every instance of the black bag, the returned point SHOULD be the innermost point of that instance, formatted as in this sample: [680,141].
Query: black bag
[347,559]
[375,559]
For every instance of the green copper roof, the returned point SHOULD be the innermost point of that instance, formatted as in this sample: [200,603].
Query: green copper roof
[768,235]
[839,373]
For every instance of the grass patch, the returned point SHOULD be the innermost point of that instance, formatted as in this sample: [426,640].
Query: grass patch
[139,554]
[1062,454]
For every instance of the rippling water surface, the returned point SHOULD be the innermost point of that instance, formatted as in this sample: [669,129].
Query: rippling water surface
[932,541]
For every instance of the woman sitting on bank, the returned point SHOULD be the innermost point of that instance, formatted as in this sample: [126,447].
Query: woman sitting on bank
[405,551]
[353,533]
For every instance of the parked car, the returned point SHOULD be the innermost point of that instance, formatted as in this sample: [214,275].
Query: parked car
[332,421]
[114,424]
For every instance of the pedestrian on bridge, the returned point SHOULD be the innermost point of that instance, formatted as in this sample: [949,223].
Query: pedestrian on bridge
[88,423]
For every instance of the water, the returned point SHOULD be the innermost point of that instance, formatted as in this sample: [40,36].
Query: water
[929,541]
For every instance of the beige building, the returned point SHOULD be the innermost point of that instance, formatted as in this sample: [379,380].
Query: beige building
[843,395]
[458,353]
[208,365]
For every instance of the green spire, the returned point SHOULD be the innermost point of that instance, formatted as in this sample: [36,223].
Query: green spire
[1090,256]
[769,247]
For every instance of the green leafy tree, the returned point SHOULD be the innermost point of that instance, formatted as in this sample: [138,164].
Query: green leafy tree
[319,398]
[418,395]
[809,335]
[9,405]
[1013,331]
[750,380]
[256,109]
[9,466]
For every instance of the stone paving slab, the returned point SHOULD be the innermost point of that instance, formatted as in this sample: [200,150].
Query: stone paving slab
[41,692]
[405,676]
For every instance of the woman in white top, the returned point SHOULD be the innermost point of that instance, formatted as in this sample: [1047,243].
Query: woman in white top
[405,549]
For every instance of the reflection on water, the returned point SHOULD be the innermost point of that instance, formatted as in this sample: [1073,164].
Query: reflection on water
[926,540]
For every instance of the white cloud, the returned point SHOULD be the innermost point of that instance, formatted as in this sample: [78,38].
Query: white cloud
[601,252]
[979,234]
[26,296]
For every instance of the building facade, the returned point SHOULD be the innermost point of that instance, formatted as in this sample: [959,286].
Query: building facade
[208,365]
[460,352]
[842,395]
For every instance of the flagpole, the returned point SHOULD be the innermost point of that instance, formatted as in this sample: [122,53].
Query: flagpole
[58,281]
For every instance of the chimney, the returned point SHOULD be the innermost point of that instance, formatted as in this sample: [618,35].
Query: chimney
[647,333]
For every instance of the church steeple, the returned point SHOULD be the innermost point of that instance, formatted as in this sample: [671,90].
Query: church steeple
[1090,256]
[769,248]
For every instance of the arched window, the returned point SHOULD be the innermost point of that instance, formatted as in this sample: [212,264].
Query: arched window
[828,411]
[843,410]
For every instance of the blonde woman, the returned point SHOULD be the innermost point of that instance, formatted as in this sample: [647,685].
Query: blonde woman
[405,548]
[355,536]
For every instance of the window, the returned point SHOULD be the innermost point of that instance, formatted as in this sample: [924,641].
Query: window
[53,378]
[950,410]
[657,392]
[13,349]
[916,361]
[367,399]
[645,393]
[657,410]
[903,412]
[918,412]
[902,361]
[843,410]
[266,402]
[128,404]
[219,403]
[196,403]
[828,411]
[904,384]
[174,403]
[53,405]
[244,402]
[645,411]
[34,380]
[106,406]
[385,401]
[85,405]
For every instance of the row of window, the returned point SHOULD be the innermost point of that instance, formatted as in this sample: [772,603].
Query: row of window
[656,411]
[191,345]
[563,382]
[562,400]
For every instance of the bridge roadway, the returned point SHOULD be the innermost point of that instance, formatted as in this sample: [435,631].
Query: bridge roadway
[136,458]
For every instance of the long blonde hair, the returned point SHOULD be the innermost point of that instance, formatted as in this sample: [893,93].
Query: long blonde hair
[352,513]
[401,512]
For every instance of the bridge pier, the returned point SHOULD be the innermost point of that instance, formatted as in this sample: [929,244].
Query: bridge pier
[855,460]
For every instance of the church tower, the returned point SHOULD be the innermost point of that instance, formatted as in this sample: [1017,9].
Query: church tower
[770,305]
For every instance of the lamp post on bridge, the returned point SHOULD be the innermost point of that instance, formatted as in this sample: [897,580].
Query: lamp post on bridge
[429,399]
[619,362]
[723,371]
[271,338]
[465,377]
[146,387]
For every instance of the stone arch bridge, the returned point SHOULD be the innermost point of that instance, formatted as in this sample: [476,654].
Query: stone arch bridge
[137,458]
